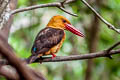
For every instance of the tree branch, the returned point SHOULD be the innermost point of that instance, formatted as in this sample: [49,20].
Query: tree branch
[78,57]
[55,4]
[103,53]
[110,26]
[72,57]
[11,74]
[7,26]
[4,12]
[112,47]
[9,54]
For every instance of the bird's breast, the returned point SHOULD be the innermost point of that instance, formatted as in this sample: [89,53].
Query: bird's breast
[57,47]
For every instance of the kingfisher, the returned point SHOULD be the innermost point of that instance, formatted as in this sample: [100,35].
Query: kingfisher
[50,39]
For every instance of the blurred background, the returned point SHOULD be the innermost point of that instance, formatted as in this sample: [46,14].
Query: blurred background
[26,25]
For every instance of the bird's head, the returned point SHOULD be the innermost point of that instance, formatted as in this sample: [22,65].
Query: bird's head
[61,22]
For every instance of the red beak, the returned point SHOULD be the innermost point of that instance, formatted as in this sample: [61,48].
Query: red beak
[73,30]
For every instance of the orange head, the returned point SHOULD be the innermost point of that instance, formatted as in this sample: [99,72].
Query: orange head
[61,22]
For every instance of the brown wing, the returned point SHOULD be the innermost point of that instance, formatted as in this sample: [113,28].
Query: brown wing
[46,39]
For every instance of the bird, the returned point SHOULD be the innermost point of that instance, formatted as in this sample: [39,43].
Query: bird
[50,39]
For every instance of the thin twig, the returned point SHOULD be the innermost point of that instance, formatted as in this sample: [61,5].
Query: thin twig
[115,45]
[69,1]
[101,18]
[111,48]
[35,7]
[55,4]
[63,9]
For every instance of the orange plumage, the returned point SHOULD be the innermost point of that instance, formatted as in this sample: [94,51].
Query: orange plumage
[50,39]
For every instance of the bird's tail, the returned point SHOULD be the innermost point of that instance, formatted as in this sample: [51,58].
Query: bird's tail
[32,59]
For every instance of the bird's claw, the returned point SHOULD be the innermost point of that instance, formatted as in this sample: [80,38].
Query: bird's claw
[53,56]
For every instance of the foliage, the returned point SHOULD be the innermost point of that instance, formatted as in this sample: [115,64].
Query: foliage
[28,24]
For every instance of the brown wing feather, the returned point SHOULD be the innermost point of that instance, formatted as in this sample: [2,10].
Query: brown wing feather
[46,39]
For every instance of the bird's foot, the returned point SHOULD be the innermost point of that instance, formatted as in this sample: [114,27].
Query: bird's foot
[53,55]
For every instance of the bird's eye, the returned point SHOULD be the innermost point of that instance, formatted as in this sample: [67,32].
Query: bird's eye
[64,21]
